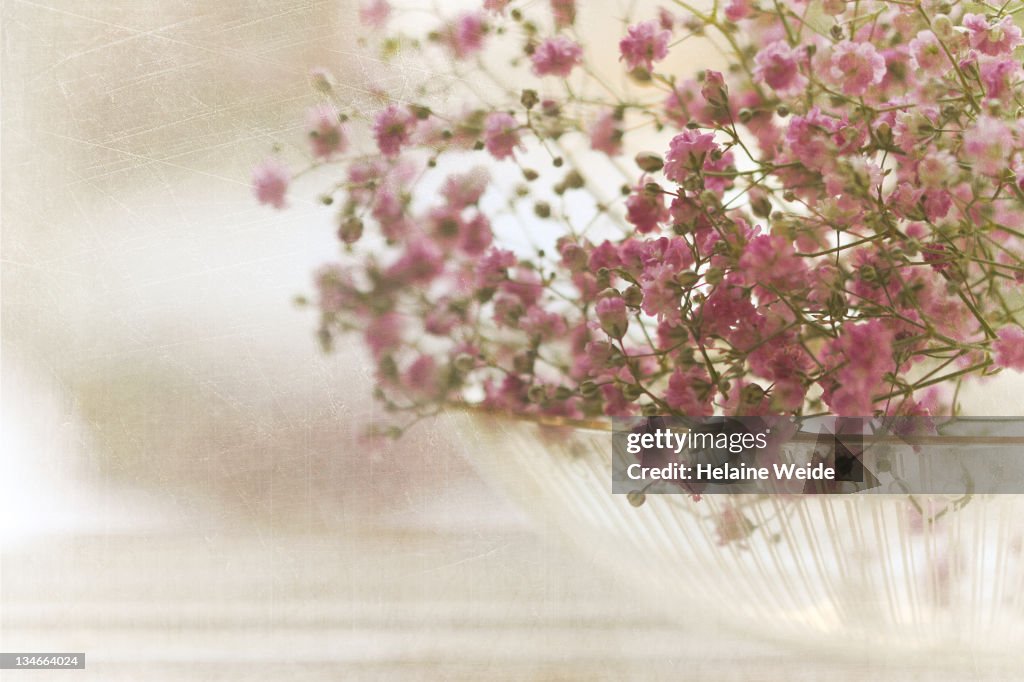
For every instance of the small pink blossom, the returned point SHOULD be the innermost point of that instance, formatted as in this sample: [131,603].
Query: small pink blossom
[326,134]
[987,145]
[992,39]
[860,375]
[384,334]
[1009,348]
[392,129]
[465,189]
[556,56]
[496,6]
[937,169]
[646,210]
[738,9]
[687,152]
[492,268]
[666,19]
[542,323]
[778,66]
[465,36]
[501,134]
[375,13]
[564,12]
[421,262]
[476,235]
[606,133]
[927,54]
[731,525]
[998,76]
[270,180]
[856,67]
[769,260]
[690,392]
[422,378]
[644,44]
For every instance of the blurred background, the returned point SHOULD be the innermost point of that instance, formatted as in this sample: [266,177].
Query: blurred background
[183,490]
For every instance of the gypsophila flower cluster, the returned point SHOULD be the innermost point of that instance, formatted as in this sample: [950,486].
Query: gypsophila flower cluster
[831,222]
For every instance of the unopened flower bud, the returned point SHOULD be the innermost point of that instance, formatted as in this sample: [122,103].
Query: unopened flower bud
[636,498]
[687,278]
[943,28]
[574,257]
[633,296]
[536,394]
[351,230]
[714,90]
[611,312]
[529,99]
[589,389]
[752,394]
[649,162]
[464,362]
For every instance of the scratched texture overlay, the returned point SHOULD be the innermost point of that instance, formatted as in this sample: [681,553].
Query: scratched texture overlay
[183,492]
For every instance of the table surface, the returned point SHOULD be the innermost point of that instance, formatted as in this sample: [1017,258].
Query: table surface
[461,589]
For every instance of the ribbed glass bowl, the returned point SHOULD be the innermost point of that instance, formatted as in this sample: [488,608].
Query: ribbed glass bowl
[843,574]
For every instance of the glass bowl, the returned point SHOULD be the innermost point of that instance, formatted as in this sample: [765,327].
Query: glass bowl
[935,577]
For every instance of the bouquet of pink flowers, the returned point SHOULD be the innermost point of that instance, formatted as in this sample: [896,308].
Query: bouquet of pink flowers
[834,223]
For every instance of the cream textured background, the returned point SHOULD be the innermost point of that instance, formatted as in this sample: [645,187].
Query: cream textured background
[182,493]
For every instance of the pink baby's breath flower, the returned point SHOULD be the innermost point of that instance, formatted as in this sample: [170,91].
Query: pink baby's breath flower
[998,76]
[731,525]
[476,235]
[769,260]
[644,44]
[861,374]
[421,262]
[375,13]
[606,133]
[392,129]
[556,56]
[927,54]
[384,333]
[992,39]
[937,169]
[738,9]
[270,180]
[465,189]
[501,134]
[1009,348]
[687,152]
[690,392]
[856,67]
[496,6]
[564,12]
[465,37]
[987,145]
[326,134]
[421,378]
[492,268]
[666,19]
[646,210]
[777,65]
